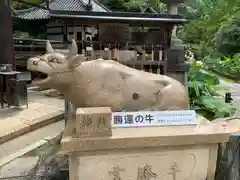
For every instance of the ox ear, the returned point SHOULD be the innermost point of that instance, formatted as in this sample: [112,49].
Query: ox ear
[49,48]
[76,61]
[74,48]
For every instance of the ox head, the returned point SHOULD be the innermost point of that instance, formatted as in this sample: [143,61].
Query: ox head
[55,68]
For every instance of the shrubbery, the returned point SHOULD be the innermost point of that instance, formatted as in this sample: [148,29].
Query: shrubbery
[203,94]
[226,66]
[213,31]
[227,40]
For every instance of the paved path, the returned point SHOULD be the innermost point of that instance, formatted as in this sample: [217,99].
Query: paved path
[41,111]
[234,89]
[15,122]
[39,97]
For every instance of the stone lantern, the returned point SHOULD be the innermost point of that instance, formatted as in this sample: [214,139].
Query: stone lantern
[178,68]
[172,8]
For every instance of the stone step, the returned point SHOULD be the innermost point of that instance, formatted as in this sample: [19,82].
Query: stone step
[15,123]
[27,143]
[16,168]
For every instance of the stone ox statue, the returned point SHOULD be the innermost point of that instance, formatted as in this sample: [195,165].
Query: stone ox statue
[99,83]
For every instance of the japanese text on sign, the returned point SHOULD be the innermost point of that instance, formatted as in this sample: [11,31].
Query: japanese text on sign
[153,118]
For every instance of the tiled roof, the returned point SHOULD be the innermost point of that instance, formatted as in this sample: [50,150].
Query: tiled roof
[35,13]
[32,14]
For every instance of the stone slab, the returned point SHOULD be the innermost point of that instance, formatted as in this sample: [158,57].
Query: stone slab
[12,127]
[26,143]
[149,137]
[14,122]
[16,168]
[8,159]
[142,164]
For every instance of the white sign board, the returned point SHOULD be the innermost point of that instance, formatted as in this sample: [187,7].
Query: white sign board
[153,118]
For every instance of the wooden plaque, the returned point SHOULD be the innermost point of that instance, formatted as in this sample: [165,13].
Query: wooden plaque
[112,33]
[159,37]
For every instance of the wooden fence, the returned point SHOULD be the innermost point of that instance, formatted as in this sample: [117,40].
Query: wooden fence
[26,48]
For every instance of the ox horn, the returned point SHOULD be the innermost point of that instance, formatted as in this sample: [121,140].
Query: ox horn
[49,48]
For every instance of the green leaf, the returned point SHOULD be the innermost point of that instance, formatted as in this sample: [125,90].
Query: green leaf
[196,85]
[218,105]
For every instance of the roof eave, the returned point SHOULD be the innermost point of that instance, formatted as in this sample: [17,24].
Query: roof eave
[130,20]
[31,19]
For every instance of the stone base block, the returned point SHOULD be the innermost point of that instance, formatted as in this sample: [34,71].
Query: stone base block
[185,162]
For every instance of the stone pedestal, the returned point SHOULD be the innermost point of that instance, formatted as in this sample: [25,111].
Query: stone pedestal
[92,122]
[182,152]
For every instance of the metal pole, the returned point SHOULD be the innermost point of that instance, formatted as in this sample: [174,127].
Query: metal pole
[67,104]
[67,111]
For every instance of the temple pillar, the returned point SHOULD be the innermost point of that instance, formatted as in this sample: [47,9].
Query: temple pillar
[6,34]
[83,38]
[65,35]
[75,31]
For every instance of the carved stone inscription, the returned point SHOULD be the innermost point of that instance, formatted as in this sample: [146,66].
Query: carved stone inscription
[145,173]
[190,164]
[115,173]
[93,122]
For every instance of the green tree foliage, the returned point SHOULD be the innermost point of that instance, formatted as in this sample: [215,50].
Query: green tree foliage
[227,40]
[213,31]
[211,24]
[115,5]
[133,5]
[21,27]
[226,66]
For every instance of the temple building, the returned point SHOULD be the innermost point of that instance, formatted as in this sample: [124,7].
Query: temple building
[55,29]
[144,40]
